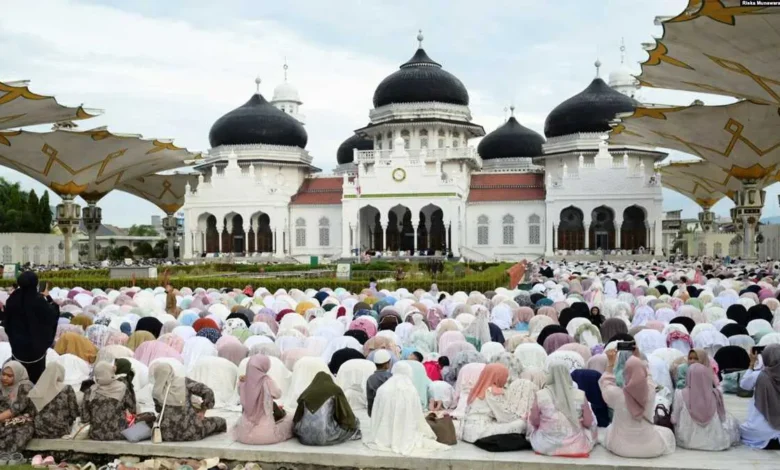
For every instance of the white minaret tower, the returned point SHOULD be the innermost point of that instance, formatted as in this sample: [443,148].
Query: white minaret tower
[621,79]
[286,98]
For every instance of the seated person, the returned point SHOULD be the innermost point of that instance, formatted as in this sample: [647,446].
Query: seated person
[486,414]
[762,428]
[561,421]
[55,404]
[106,404]
[257,424]
[699,416]
[16,410]
[324,416]
[632,432]
[181,421]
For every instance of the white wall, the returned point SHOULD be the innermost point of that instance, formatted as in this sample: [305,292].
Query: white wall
[312,215]
[495,212]
[36,248]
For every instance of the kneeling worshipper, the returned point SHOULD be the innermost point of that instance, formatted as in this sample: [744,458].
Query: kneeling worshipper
[632,432]
[106,404]
[323,416]
[16,410]
[397,423]
[55,404]
[257,389]
[699,416]
[487,413]
[762,428]
[561,422]
[181,420]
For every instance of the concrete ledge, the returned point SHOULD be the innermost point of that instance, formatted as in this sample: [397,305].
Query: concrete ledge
[463,456]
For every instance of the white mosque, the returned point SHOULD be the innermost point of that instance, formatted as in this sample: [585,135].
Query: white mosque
[408,183]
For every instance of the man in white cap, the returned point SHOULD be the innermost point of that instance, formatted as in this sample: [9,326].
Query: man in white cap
[382,360]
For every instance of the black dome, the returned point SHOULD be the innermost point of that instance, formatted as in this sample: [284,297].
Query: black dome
[345,155]
[420,80]
[511,140]
[257,122]
[591,110]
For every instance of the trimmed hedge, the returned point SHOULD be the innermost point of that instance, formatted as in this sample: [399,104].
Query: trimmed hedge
[480,282]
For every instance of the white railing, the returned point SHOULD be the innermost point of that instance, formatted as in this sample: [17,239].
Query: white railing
[426,155]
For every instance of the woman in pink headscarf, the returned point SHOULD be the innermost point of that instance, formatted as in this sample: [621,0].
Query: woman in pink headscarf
[257,390]
[151,350]
[632,432]
[699,416]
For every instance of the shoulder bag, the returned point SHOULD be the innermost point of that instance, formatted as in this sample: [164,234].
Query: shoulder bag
[156,432]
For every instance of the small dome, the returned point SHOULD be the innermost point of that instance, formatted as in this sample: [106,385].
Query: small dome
[286,92]
[420,80]
[345,155]
[511,140]
[591,110]
[257,122]
[622,76]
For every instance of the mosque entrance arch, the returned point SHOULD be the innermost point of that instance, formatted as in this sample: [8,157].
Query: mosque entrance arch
[431,232]
[400,231]
[261,237]
[237,236]
[211,235]
[371,235]
[602,229]
[633,231]
[571,230]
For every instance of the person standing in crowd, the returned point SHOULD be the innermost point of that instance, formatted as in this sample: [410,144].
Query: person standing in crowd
[30,323]
[382,360]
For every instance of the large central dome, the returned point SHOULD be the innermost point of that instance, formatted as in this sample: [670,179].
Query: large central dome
[258,122]
[591,110]
[420,80]
[511,140]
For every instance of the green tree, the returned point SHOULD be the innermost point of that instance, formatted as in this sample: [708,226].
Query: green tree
[19,209]
[31,221]
[142,231]
[44,213]
[144,250]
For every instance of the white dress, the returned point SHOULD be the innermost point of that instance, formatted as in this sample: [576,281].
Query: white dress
[489,417]
[716,435]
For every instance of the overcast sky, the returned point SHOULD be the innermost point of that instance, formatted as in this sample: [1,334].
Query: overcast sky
[171,68]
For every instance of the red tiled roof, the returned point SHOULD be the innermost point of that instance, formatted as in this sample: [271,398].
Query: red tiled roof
[319,191]
[507,187]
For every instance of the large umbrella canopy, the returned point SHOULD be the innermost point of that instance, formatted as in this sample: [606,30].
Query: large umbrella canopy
[721,47]
[165,191]
[20,107]
[87,163]
[699,181]
[739,138]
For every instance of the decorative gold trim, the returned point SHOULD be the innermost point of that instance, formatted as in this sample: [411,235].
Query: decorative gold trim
[659,54]
[68,188]
[714,10]
[4,137]
[14,92]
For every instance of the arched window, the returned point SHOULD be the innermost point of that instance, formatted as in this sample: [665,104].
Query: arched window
[300,232]
[324,231]
[441,138]
[455,139]
[423,138]
[733,249]
[508,231]
[482,230]
[534,230]
[52,260]
[405,136]
[7,255]
[717,249]
[25,255]
[37,255]
[702,249]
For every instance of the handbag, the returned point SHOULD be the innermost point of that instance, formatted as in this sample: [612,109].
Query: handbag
[140,431]
[663,417]
[279,413]
[156,432]
[443,427]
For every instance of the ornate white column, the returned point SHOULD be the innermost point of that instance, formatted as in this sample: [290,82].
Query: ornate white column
[68,215]
[346,242]
[384,236]
[587,236]
[415,224]
[656,230]
[247,227]
[455,230]
[278,242]
[171,231]
[92,216]
[618,225]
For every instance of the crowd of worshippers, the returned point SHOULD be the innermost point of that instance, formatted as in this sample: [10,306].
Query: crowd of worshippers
[634,357]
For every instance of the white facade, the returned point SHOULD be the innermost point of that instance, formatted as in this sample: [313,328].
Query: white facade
[423,190]
[36,248]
